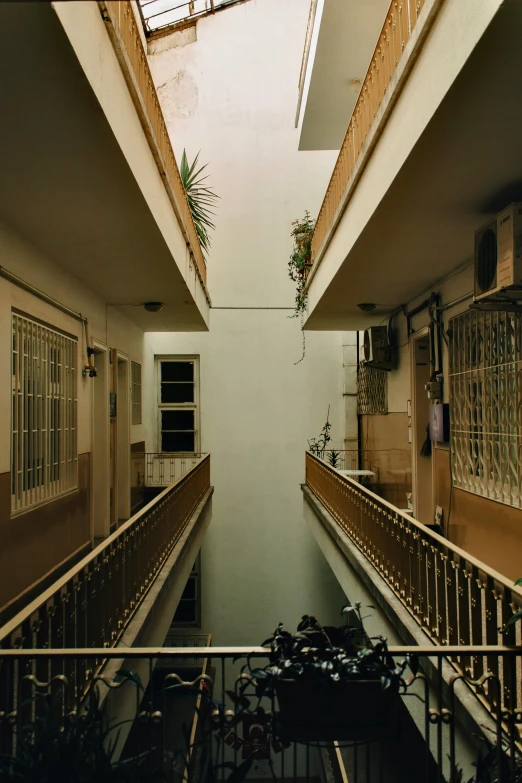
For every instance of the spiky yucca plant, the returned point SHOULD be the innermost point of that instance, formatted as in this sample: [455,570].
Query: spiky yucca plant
[201,198]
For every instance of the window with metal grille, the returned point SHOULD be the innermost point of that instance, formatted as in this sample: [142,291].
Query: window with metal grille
[371,390]
[485,353]
[136,392]
[44,456]
[178,409]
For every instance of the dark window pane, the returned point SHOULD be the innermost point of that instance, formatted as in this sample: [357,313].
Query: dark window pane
[177,420]
[177,392]
[186,612]
[177,371]
[177,441]
[190,589]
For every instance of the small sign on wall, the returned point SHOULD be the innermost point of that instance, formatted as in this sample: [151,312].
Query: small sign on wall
[439,422]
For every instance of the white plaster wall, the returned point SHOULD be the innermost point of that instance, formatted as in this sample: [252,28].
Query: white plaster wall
[105,325]
[231,94]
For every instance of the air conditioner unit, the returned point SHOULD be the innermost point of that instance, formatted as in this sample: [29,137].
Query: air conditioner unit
[498,256]
[378,351]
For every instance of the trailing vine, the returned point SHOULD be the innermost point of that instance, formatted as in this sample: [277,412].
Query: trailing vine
[300,260]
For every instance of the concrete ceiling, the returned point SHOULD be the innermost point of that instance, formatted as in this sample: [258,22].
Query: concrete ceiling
[466,166]
[65,185]
[348,34]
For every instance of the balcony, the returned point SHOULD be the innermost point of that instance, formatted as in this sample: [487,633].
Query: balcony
[95,185]
[441,594]
[223,732]
[425,160]
[108,598]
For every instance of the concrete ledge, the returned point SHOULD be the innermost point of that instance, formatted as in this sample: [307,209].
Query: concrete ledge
[399,626]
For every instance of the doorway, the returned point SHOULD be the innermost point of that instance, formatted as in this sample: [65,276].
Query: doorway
[100,486]
[422,484]
[122,450]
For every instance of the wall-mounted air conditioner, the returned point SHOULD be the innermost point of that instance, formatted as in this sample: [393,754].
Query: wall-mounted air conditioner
[378,351]
[498,256]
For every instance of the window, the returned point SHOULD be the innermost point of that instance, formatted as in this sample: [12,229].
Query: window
[178,410]
[486,403]
[44,458]
[136,392]
[371,389]
[188,612]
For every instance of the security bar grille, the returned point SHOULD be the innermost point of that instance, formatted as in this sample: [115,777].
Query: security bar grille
[44,413]
[486,399]
[136,392]
[371,390]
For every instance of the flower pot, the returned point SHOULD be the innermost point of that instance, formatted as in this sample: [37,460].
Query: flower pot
[327,711]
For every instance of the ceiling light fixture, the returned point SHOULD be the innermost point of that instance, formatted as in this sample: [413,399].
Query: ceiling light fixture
[153,307]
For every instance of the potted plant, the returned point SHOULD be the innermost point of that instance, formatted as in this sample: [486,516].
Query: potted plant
[332,683]
[318,445]
[300,261]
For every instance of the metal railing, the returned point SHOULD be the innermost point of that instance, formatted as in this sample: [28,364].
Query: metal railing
[125,36]
[455,599]
[421,738]
[94,602]
[401,20]
[160,17]
[162,468]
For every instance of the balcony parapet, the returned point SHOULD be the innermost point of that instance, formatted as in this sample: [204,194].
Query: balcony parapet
[93,604]
[400,42]
[437,751]
[455,599]
[122,27]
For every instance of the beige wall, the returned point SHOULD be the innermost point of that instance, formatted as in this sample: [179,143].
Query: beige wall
[35,542]
[488,530]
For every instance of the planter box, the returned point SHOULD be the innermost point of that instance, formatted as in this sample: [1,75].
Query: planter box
[323,712]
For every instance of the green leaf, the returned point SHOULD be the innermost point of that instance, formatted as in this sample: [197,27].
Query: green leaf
[516,617]
[200,198]
[519,581]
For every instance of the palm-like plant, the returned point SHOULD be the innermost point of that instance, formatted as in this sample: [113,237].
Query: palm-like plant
[200,197]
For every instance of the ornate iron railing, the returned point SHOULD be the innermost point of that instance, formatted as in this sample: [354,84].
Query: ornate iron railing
[38,700]
[123,29]
[93,603]
[455,599]
[401,20]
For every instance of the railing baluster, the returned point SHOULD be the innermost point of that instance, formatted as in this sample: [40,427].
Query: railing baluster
[457,600]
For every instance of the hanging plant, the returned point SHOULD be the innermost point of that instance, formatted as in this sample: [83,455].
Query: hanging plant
[201,199]
[300,261]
